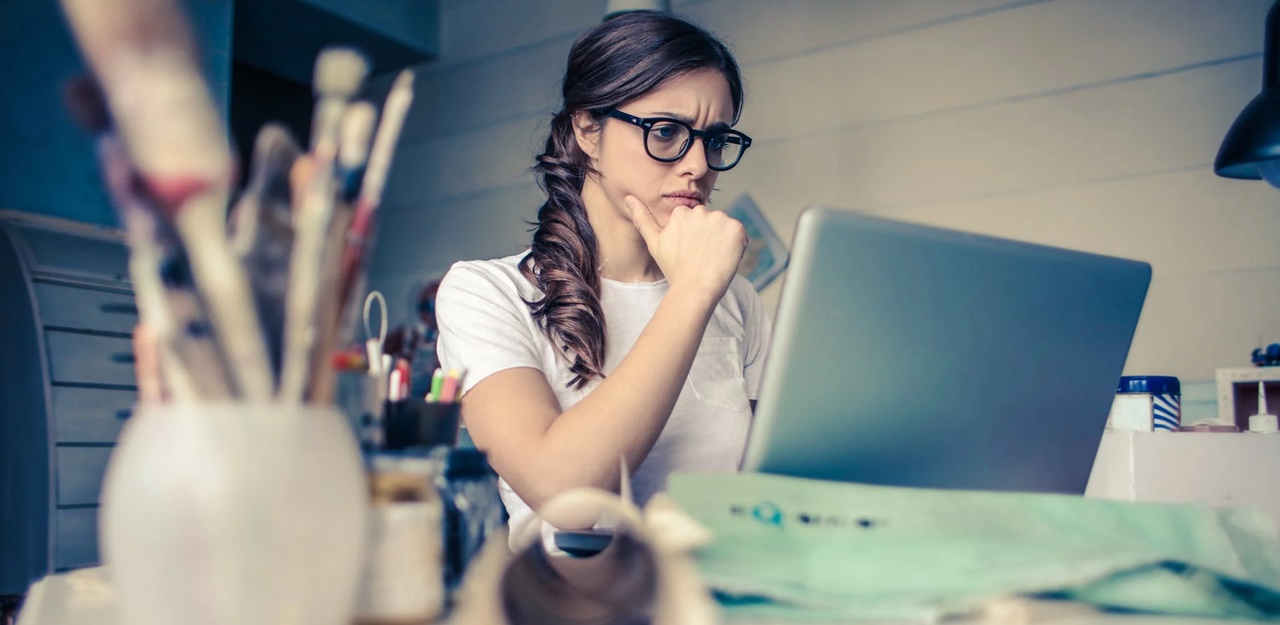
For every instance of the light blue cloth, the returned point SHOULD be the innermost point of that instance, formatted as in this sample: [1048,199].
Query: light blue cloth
[806,549]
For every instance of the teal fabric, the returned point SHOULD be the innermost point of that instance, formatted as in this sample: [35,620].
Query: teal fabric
[806,549]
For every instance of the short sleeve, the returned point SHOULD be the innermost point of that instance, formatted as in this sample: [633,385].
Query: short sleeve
[758,332]
[484,326]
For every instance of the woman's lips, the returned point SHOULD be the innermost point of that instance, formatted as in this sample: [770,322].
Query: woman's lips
[683,200]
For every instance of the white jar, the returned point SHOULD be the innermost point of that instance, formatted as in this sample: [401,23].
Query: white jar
[234,514]
[403,575]
[1147,403]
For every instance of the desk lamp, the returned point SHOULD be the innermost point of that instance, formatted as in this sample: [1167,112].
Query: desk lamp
[1251,149]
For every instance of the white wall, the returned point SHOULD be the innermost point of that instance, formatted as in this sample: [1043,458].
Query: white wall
[1088,124]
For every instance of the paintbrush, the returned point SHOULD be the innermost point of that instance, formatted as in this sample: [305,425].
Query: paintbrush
[357,128]
[169,306]
[353,150]
[364,224]
[338,76]
[261,226]
[144,56]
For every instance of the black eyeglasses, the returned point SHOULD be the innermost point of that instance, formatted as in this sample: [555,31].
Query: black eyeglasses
[668,140]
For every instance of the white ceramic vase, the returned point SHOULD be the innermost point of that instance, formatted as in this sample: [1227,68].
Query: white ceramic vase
[235,514]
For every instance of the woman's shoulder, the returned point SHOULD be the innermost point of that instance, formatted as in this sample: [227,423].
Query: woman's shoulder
[488,277]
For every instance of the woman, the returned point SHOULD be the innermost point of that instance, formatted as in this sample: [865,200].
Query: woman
[624,330]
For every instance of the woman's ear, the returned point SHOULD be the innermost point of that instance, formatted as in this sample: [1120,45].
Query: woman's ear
[587,132]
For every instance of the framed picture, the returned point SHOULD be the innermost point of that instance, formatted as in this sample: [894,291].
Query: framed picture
[766,257]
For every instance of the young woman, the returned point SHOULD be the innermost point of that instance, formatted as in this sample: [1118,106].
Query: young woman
[624,330]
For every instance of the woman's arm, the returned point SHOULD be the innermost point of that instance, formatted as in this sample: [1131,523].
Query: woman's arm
[541,451]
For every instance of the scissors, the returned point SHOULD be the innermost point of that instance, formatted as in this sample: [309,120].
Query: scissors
[373,345]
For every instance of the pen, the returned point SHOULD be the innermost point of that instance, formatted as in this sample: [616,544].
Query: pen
[402,379]
[393,385]
[437,385]
[449,389]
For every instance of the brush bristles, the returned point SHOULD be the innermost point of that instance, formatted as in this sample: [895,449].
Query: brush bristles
[357,130]
[88,106]
[340,72]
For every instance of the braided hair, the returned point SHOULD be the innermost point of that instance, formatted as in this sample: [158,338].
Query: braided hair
[618,61]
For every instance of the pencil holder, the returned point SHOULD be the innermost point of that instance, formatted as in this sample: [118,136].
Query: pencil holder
[417,423]
[235,514]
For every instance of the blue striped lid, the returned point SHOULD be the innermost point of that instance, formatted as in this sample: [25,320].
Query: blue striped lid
[1153,384]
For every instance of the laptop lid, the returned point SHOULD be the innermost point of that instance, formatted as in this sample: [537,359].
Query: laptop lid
[907,355]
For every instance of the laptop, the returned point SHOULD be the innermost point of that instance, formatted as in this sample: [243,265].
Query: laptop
[907,355]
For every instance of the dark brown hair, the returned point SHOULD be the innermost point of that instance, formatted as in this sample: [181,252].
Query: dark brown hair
[618,61]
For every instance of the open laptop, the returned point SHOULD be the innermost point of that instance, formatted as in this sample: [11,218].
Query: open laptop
[906,355]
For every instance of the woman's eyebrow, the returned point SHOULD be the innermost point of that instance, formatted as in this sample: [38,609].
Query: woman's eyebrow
[684,118]
[689,120]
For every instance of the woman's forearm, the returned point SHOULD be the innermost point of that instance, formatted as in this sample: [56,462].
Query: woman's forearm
[625,414]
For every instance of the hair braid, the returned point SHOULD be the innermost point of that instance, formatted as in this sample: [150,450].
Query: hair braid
[563,258]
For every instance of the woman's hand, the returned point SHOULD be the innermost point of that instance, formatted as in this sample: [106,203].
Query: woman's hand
[698,249]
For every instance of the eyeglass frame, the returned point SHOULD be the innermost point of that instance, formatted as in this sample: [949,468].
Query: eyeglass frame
[647,124]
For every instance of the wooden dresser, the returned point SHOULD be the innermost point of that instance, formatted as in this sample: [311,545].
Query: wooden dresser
[66,388]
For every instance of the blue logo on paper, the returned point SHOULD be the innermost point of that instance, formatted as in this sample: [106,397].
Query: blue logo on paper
[770,513]
[767,512]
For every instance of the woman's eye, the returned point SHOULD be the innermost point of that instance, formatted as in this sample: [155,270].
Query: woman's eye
[666,132]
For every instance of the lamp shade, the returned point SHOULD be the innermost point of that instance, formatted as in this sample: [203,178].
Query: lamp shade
[1251,149]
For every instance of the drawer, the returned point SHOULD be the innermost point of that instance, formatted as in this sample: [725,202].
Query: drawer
[76,544]
[90,415]
[80,471]
[86,309]
[89,359]
[73,254]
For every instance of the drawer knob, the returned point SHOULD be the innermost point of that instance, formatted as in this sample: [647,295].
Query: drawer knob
[119,308]
[124,414]
[124,358]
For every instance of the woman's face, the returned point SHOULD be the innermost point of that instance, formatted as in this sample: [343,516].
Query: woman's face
[699,98]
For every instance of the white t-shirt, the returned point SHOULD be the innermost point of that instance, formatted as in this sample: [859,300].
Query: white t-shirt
[485,327]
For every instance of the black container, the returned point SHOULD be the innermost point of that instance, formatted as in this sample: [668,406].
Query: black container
[413,423]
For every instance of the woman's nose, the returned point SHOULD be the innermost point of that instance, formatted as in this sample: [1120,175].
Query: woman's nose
[694,161]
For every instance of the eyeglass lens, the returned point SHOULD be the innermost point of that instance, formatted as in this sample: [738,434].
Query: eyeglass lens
[669,140]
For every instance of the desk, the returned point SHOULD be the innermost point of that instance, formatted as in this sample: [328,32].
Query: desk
[1219,469]
[85,597]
